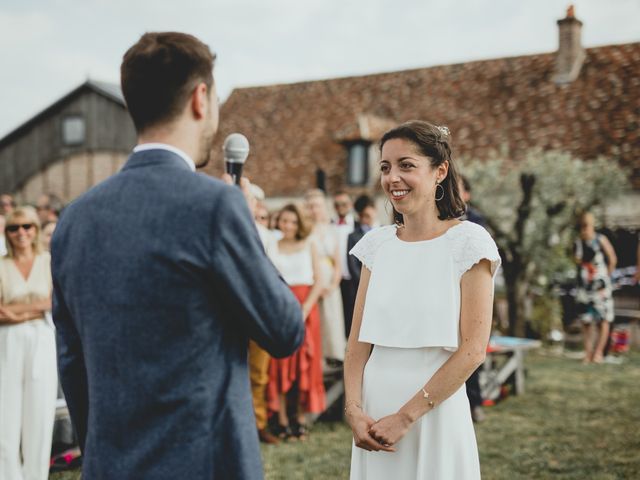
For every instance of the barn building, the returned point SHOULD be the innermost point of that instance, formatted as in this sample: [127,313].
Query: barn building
[80,140]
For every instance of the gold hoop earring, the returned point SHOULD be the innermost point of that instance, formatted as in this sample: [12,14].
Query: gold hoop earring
[441,191]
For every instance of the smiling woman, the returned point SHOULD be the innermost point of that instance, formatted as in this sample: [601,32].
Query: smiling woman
[28,378]
[422,319]
[418,157]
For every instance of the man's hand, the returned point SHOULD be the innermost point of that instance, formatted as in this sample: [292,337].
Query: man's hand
[390,429]
[245,186]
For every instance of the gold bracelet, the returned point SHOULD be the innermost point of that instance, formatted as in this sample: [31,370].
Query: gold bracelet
[426,395]
[349,403]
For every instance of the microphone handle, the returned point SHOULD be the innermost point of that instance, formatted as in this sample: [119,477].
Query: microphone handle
[235,170]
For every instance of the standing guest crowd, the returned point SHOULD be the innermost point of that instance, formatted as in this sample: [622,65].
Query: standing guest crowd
[310,250]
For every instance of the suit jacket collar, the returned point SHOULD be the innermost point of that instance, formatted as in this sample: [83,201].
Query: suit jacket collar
[155,157]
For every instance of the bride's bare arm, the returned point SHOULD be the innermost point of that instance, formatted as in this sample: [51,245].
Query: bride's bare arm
[476,305]
[355,360]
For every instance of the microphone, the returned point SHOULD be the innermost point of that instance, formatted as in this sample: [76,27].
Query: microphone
[236,151]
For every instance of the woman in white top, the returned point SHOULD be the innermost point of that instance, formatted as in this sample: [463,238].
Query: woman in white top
[296,259]
[28,377]
[422,319]
[325,236]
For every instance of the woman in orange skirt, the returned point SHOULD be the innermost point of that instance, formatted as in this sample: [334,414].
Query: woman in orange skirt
[297,260]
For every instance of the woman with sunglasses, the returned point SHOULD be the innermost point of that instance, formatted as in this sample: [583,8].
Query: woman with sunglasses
[28,377]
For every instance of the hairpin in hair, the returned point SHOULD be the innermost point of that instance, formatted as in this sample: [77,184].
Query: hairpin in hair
[443,130]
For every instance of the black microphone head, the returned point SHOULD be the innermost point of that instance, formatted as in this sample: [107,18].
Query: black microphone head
[236,148]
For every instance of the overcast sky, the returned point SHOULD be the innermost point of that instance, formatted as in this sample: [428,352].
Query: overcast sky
[48,47]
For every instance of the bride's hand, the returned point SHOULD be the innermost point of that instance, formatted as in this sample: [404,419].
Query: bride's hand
[360,424]
[390,429]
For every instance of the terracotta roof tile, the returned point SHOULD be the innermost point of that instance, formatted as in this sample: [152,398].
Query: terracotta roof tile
[487,105]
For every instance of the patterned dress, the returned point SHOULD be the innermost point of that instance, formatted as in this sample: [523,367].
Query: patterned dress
[594,294]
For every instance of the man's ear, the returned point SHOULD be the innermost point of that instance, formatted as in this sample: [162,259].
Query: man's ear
[199,101]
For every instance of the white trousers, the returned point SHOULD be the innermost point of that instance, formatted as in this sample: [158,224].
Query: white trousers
[28,387]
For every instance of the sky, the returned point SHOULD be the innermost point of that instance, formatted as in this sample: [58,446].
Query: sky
[49,47]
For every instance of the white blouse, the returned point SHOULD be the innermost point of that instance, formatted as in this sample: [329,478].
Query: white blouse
[296,268]
[413,298]
[14,288]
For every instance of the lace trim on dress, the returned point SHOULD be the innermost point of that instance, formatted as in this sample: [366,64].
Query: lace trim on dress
[472,244]
[365,250]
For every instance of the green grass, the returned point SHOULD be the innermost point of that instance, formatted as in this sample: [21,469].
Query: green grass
[574,422]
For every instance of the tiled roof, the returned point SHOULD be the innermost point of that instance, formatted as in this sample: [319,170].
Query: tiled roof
[487,105]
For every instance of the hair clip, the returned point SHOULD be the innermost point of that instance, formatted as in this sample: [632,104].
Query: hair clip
[443,130]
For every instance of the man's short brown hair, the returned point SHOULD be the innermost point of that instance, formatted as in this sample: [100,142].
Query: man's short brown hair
[159,73]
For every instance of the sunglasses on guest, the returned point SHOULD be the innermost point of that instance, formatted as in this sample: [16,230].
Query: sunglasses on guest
[14,228]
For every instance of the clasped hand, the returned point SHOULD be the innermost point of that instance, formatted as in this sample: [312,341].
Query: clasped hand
[9,316]
[381,435]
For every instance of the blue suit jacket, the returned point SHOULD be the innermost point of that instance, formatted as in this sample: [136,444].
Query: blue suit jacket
[160,279]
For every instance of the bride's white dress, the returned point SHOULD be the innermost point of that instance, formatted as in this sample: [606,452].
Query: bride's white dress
[412,317]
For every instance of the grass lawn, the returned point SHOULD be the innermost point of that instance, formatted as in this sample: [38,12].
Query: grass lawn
[574,422]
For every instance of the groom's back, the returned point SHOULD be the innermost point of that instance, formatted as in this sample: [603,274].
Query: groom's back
[159,353]
[159,281]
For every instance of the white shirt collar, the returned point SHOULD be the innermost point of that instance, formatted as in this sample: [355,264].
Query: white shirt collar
[163,146]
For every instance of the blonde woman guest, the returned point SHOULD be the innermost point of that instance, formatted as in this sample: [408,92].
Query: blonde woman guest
[296,259]
[28,378]
[325,236]
[422,319]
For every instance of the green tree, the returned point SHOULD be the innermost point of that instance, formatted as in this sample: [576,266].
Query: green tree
[531,207]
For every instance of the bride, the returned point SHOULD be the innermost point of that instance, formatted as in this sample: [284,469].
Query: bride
[422,319]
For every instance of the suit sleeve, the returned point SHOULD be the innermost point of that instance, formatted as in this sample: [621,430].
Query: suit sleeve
[71,367]
[354,264]
[257,297]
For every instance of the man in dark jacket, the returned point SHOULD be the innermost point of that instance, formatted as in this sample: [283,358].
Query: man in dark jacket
[160,280]
[366,210]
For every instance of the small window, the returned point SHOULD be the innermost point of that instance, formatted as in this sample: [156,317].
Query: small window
[73,130]
[358,163]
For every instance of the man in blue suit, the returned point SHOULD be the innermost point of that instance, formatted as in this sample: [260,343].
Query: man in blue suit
[160,280]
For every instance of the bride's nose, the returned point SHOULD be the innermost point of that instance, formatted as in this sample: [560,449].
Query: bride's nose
[394,176]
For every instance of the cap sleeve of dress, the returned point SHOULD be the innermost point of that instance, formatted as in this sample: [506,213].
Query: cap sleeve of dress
[472,244]
[365,250]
